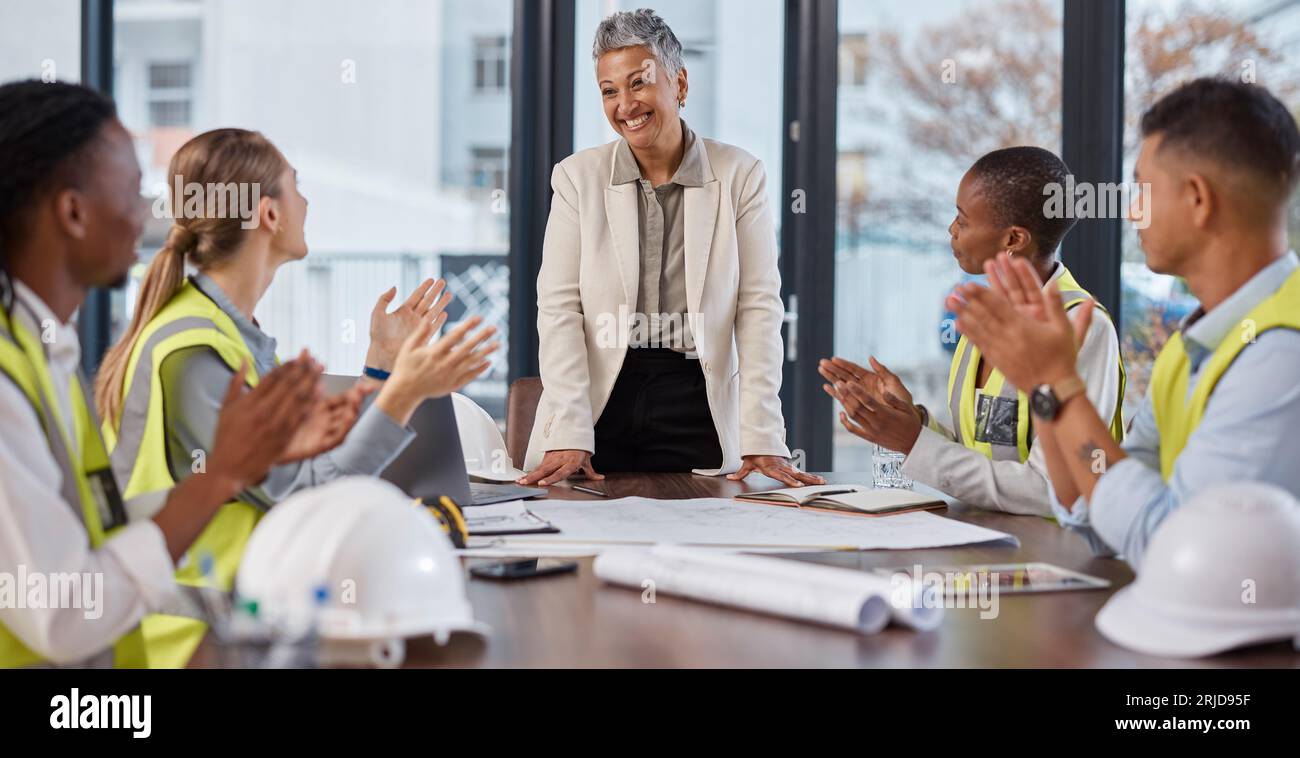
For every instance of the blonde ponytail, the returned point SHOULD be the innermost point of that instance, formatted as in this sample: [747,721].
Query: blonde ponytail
[162,279]
[218,156]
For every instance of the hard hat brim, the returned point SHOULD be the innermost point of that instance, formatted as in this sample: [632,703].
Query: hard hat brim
[508,476]
[474,626]
[440,628]
[1133,624]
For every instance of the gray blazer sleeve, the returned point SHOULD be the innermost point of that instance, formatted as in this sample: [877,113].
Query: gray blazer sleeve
[194,382]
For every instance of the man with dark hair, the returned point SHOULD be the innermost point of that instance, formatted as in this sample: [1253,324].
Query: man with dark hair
[70,214]
[987,455]
[1219,160]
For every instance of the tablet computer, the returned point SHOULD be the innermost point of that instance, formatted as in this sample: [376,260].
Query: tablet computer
[1010,578]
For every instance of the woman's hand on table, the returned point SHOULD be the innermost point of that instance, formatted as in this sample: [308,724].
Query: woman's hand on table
[775,467]
[558,465]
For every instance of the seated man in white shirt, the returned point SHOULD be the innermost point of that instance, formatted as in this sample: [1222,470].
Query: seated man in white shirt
[70,216]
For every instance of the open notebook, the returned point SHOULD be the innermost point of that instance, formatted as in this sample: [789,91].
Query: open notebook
[857,499]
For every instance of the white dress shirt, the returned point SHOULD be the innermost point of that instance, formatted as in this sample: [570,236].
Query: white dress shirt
[1022,488]
[41,534]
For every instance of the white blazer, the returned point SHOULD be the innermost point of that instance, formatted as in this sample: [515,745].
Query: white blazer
[587,291]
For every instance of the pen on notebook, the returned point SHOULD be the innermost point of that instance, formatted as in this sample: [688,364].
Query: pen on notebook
[588,490]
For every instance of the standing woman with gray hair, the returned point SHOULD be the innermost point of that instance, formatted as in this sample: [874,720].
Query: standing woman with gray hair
[659,308]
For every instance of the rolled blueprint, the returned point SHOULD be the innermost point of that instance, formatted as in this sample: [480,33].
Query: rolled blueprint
[844,598]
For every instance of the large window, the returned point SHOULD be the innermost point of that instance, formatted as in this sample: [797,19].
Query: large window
[40,39]
[397,121]
[924,90]
[1169,42]
[733,52]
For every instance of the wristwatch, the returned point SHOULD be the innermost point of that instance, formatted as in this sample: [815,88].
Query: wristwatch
[1046,399]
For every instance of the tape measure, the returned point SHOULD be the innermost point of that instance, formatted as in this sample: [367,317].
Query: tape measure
[450,518]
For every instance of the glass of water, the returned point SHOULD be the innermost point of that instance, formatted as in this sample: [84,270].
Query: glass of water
[887,469]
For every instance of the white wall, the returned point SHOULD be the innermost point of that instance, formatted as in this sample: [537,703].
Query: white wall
[37,36]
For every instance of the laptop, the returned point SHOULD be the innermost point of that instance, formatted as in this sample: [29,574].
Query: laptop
[433,463]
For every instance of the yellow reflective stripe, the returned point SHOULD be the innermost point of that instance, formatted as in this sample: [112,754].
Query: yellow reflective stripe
[1068,282]
[138,436]
[90,512]
[147,446]
[1177,412]
[198,322]
[963,376]
[23,359]
[956,379]
[94,453]
[1174,418]
[17,366]
[967,400]
[188,301]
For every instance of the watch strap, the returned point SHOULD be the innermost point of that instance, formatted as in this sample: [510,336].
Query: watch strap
[1067,388]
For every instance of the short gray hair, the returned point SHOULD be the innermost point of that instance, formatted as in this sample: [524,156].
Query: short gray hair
[641,27]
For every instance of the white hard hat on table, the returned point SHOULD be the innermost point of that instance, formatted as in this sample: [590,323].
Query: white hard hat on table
[481,442]
[1221,572]
[386,569]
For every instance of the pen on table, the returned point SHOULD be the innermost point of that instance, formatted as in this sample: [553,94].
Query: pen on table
[588,490]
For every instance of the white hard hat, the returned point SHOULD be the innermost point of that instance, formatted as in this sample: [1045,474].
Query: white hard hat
[1221,572]
[481,442]
[383,564]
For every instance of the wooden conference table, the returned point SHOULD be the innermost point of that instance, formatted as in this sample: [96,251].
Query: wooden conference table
[574,620]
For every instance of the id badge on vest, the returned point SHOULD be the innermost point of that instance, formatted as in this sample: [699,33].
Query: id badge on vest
[996,418]
[108,500]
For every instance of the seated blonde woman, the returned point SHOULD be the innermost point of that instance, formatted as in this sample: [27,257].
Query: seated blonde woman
[160,387]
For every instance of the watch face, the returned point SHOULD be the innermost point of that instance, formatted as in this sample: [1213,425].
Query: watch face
[1043,402]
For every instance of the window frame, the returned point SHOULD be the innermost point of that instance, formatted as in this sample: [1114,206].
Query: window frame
[174,95]
[491,64]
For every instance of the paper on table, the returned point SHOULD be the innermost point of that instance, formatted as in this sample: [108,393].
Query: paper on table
[505,547]
[912,603]
[502,518]
[823,594]
[724,522]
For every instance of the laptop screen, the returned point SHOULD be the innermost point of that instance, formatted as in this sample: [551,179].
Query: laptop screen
[432,464]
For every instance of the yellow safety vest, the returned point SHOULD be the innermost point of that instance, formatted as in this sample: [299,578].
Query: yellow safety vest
[986,427]
[88,484]
[139,445]
[1177,413]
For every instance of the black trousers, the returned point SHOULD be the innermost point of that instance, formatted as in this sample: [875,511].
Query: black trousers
[657,418]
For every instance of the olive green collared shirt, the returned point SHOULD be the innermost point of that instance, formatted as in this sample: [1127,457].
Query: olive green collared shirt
[661,298]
